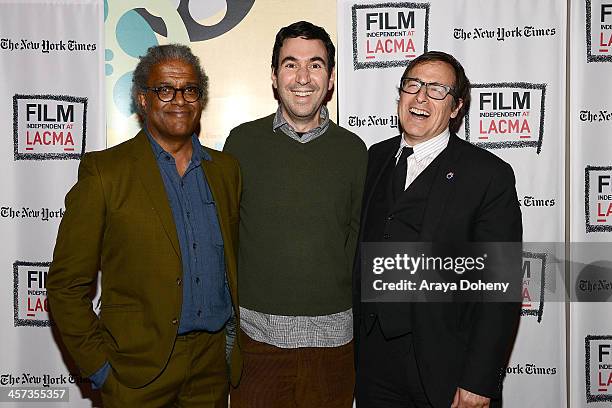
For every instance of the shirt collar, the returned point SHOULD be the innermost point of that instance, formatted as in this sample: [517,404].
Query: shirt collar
[426,149]
[198,154]
[279,120]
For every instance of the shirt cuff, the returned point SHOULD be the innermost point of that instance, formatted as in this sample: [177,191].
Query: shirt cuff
[99,377]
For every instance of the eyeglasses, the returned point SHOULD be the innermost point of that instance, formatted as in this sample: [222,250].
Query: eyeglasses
[433,89]
[167,93]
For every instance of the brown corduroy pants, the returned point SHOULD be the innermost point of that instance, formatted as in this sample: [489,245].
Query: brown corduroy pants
[309,377]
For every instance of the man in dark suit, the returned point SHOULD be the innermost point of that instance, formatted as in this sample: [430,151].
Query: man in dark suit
[158,216]
[427,185]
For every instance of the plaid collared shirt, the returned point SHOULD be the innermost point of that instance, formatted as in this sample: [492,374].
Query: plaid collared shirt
[281,123]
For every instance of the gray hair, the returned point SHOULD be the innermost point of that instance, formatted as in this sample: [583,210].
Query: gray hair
[159,54]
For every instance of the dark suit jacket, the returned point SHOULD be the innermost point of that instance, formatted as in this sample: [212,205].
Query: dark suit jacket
[118,220]
[457,344]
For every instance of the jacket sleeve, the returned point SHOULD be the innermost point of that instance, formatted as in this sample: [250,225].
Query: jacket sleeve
[495,323]
[73,272]
[357,186]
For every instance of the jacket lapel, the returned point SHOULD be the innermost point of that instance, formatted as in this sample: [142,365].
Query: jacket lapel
[214,176]
[384,159]
[148,171]
[441,190]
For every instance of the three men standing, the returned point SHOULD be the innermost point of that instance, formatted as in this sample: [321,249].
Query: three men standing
[158,215]
[427,185]
[299,220]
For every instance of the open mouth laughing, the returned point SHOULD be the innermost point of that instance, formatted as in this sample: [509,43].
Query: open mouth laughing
[419,113]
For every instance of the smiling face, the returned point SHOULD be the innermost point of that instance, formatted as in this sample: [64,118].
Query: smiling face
[175,120]
[302,81]
[422,117]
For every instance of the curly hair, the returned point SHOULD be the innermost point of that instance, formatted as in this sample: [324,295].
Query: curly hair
[159,54]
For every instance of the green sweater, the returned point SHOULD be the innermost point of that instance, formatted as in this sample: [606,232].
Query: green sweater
[299,218]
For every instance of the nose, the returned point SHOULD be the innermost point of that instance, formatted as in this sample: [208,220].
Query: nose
[302,76]
[421,96]
[178,98]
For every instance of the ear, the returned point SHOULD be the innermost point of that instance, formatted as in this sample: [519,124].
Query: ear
[455,111]
[274,79]
[332,77]
[142,100]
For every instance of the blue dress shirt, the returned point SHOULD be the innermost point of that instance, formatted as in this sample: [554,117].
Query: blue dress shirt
[206,300]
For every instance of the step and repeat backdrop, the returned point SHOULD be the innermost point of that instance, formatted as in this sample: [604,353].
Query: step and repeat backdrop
[590,170]
[51,112]
[541,100]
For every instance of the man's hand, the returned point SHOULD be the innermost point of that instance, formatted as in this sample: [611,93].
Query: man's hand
[466,399]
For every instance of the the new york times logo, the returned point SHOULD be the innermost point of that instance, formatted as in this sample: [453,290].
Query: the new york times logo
[534,267]
[49,127]
[388,34]
[599,30]
[598,368]
[30,306]
[502,33]
[602,115]
[507,115]
[598,198]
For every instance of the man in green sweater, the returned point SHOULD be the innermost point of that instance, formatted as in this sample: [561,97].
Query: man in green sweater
[299,218]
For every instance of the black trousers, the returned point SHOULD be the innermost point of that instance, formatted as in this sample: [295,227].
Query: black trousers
[387,371]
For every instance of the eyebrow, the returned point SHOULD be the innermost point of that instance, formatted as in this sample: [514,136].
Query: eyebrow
[166,83]
[430,83]
[313,59]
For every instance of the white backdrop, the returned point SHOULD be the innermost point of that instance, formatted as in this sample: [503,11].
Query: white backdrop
[508,48]
[51,111]
[590,118]
[515,56]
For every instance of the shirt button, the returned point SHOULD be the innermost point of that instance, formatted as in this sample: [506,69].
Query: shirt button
[372,315]
[175,321]
[390,217]
[179,281]
[386,236]
[167,158]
